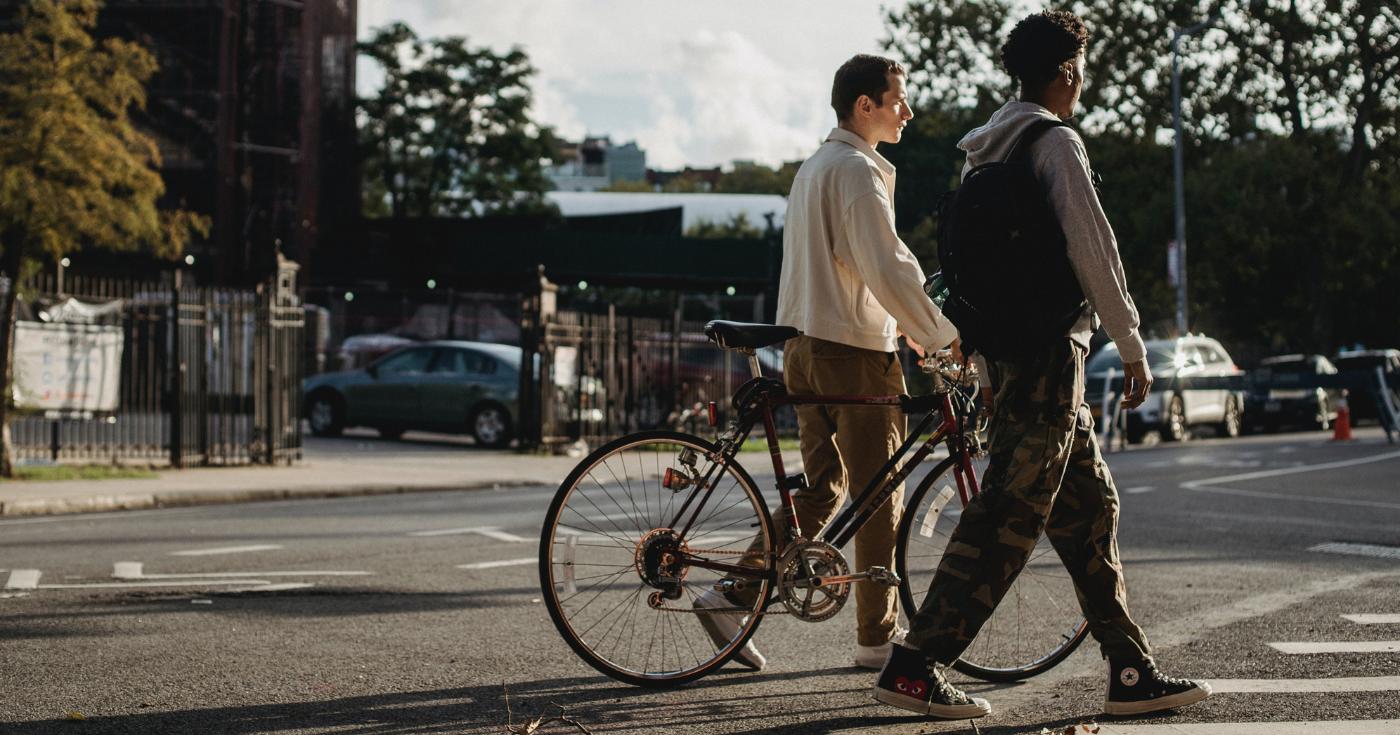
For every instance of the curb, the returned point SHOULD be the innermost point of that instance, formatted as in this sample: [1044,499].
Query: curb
[29,507]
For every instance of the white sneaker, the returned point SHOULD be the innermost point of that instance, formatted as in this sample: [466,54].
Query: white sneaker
[873,657]
[724,627]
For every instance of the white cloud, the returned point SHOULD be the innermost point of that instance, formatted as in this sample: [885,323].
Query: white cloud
[693,83]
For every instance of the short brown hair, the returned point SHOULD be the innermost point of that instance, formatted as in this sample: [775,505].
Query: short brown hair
[862,74]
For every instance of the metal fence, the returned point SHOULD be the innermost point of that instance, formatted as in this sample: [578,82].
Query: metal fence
[602,375]
[208,375]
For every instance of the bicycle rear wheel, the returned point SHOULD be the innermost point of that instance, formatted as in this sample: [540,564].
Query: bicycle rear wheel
[604,550]
[1038,623]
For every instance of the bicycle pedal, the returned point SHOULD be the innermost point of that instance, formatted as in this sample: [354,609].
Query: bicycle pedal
[882,577]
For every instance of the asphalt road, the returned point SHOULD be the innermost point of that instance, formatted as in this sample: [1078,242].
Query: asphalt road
[361,616]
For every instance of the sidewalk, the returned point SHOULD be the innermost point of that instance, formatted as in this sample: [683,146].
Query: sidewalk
[332,468]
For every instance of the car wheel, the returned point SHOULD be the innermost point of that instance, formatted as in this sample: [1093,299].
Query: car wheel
[1174,422]
[326,413]
[1230,424]
[490,426]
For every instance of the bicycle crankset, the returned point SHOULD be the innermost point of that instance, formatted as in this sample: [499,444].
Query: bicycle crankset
[815,580]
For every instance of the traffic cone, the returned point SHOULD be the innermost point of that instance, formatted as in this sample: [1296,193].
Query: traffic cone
[1341,429]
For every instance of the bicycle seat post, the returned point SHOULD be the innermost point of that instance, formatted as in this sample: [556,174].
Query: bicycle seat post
[754,366]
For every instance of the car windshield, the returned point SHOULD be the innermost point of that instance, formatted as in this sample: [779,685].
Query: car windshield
[1158,356]
[1359,362]
[1289,366]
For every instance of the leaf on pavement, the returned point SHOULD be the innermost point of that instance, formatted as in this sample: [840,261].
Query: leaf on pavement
[75,715]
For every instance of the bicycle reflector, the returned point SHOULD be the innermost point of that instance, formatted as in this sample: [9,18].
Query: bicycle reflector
[714,414]
[668,479]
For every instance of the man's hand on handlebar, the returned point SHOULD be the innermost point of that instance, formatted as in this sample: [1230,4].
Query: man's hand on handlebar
[1137,381]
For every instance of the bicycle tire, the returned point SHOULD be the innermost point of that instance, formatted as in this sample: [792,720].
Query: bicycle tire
[915,576]
[556,575]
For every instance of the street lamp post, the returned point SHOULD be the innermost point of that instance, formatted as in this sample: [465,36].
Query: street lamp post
[1176,164]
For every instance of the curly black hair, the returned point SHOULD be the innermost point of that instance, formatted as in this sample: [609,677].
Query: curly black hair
[1037,46]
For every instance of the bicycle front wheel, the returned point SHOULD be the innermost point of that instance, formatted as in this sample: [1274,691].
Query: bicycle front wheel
[613,569]
[1038,623]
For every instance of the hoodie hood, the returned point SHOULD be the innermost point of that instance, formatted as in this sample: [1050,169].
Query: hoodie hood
[993,141]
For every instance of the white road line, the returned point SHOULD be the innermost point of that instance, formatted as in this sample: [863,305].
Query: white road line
[135,570]
[501,563]
[23,579]
[227,550]
[1193,484]
[491,532]
[1284,496]
[1380,552]
[1139,490]
[133,585]
[1373,619]
[283,587]
[1333,727]
[1288,686]
[1295,647]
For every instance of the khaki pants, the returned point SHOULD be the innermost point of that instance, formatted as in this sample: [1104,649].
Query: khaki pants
[843,447]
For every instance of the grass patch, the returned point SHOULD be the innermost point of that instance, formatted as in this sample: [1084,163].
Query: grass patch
[48,473]
[759,444]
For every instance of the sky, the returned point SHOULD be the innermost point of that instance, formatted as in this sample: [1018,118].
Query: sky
[693,83]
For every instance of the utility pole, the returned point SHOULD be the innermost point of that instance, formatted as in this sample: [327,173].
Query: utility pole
[1181,315]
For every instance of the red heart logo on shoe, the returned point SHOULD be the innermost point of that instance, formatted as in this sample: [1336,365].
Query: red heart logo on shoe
[917,688]
[901,684]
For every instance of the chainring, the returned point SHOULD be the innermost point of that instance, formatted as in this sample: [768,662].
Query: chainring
[807,559]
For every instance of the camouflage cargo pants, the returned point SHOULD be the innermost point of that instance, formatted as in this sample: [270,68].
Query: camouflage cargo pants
[1045,474]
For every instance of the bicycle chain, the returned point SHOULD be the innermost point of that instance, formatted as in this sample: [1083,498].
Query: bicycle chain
[720,610]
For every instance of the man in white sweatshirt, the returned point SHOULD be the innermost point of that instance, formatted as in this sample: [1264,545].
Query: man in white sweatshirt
[852,287]
[1045,473]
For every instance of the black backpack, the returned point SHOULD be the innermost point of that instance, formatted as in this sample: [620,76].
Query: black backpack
[1011,289]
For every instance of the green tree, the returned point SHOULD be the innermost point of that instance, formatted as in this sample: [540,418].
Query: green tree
[737,228]
[449,132]
[74,171]
[635,187]
[1290,114]
[753,178]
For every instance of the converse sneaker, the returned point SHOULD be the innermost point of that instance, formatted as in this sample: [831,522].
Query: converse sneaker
[874,657]
[910,681]
[723,627]
[1135,687]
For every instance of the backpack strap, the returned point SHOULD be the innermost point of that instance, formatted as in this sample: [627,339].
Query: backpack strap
[1031,134]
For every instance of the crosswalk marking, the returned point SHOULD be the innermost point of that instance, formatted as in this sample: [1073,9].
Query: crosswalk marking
[491,532]
[23,579]
[226,550]
[1380,552]
[1337,647]
[1335,727]
[1373,619]
[1139,490]
[1338,684]
[501,563]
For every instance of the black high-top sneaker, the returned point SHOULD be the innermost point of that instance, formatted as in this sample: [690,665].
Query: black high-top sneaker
[1136,687]
[910,681]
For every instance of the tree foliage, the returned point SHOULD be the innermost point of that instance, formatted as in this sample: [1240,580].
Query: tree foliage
[755,178]
[75,172]
[449,131]
[1290,112]
[738,227]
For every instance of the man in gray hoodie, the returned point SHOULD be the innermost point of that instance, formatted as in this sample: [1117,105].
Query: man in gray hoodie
[1045,472]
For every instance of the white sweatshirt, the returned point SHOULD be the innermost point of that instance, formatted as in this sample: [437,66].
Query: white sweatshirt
[1063,169]
[846,276]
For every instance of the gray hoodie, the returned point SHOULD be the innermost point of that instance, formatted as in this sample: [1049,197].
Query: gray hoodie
[1063,169]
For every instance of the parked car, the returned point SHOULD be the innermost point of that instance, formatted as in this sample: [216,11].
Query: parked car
[1282,394]
[445,386]
[1362,404]
[1170,411]
[362,349]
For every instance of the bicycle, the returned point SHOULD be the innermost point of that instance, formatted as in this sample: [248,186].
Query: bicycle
[653,518]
